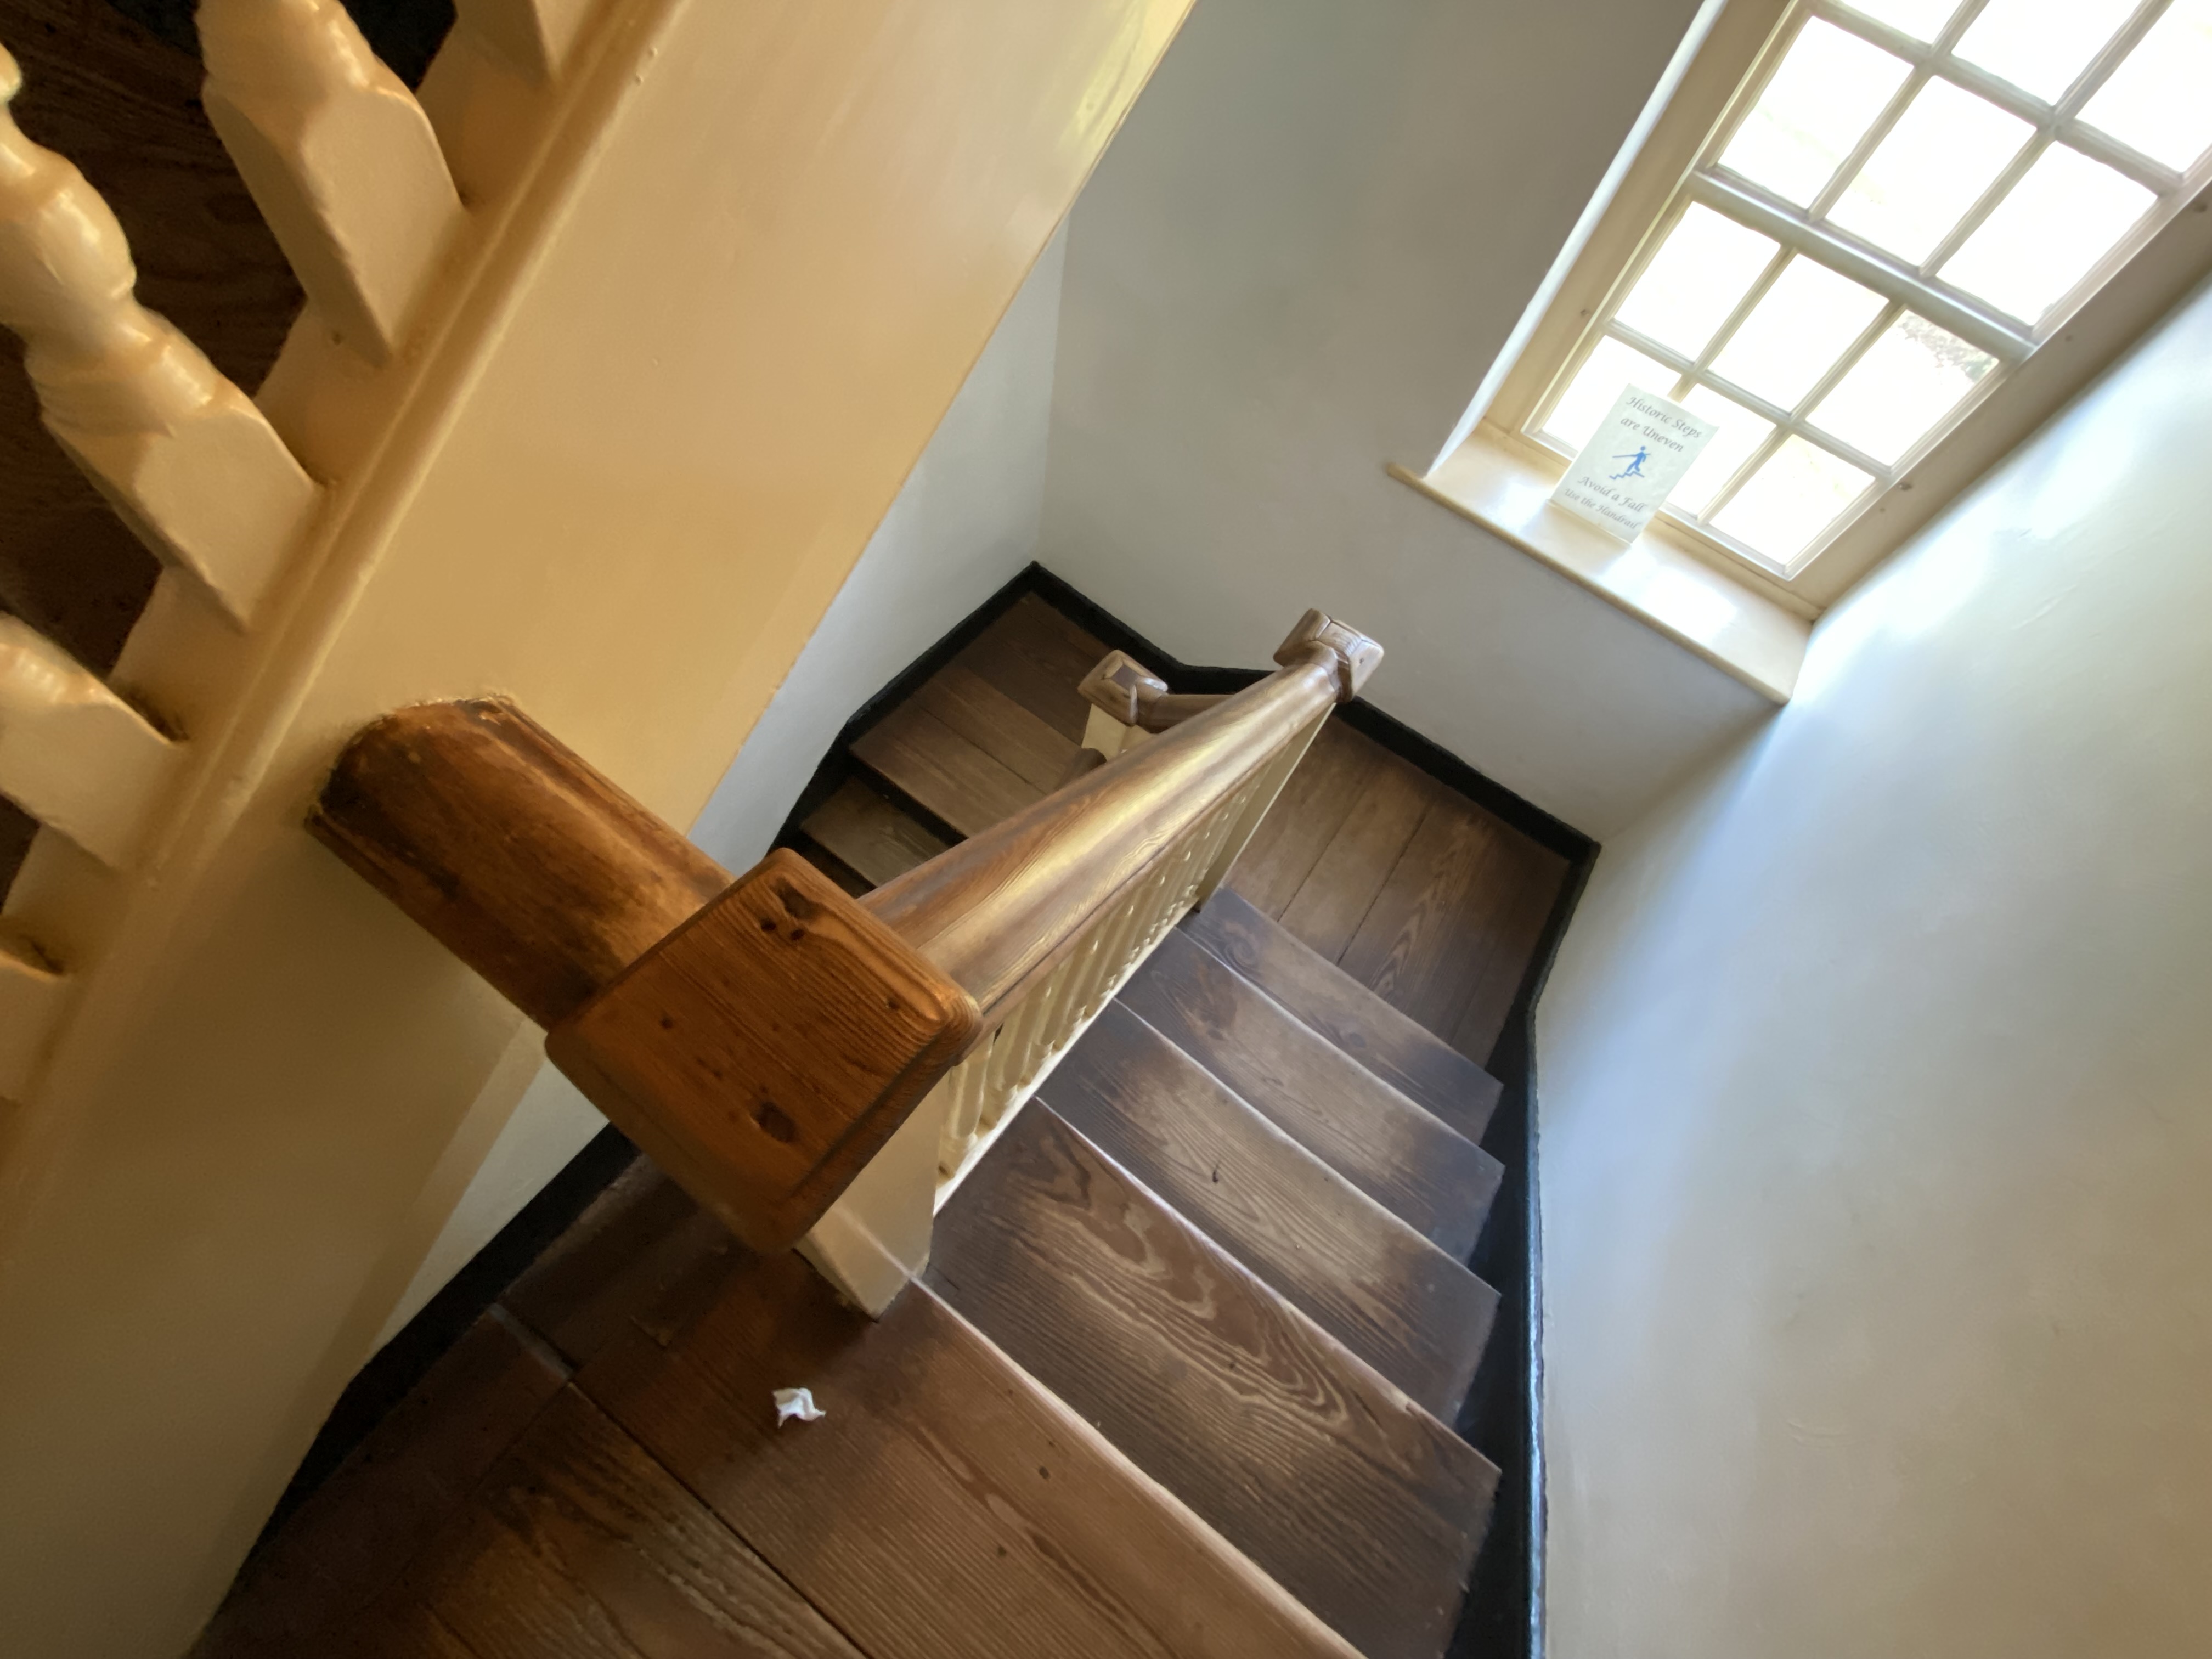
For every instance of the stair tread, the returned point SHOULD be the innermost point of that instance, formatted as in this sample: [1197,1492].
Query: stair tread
[1390,1147]
[342,1548]
[1037,657]
[1393,1045]
[946,773]
[947,1507]
[578,1542]
[1019,741]
[1356,1500]
[870,835]
[1414,1314]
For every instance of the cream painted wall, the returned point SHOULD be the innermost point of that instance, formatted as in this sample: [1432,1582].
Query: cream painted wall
[963,524]
[1296,262]
[1876,1092]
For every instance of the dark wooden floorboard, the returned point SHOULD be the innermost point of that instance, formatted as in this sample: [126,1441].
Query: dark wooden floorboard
[408,1631]
[915,752]
[1392,801]
[1441,924]
[1405,1157]
[578,1545]
[1037,657]
[1391,1044]
[1516,933]
[351,1540]
[1313,805]
[615,1266]
[944,1508]
[1026,745]
[870,835]
[1388,1294]
[1354,1499]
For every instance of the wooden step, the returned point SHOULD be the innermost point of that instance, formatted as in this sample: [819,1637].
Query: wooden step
[914,751]
[1352,1497]
[1392,1045]
[869,834]
[964,749]
[1370,1281]
[947,1507]
[1397,1153]
[579,1544]
[1037,657]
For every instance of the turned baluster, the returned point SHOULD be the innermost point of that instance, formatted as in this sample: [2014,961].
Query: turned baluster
[181,453]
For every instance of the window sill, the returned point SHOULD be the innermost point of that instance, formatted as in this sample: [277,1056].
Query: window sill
[1656,578]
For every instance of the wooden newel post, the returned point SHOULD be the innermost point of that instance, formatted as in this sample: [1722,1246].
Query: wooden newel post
[760,1037]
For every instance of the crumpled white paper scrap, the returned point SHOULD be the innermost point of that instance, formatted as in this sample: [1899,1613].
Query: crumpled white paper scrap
[799,1403]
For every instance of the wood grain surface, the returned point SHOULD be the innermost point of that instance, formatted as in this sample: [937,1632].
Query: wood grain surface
[1388,805]
[1427,899]
[1037,657]
[869,834]
[522,860]
[1462,911]
[1314,802]
[946,1507]
[1388,1294]
[1348,1494]
[763,1051]
[914,752]
[1392,1044]
[579,1544]
[618,1264]
[351,1540]
[1405,1157]
[977,710]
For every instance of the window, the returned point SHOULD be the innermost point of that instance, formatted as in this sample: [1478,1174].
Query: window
[1871,242]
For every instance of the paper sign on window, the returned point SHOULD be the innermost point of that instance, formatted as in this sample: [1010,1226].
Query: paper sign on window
[1641,451]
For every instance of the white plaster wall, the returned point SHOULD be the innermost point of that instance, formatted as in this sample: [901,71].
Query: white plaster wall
[1312,238]
[964,524]
[1876,1089]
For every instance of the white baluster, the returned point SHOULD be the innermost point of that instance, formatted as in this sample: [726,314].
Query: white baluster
[181,453]
[74,755]
[339,156]
[964,1089]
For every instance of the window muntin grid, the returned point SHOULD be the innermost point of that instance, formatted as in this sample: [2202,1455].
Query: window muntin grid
[1966,336]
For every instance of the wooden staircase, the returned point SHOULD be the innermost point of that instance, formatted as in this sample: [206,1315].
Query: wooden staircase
[1173,1384]
[1180,1376]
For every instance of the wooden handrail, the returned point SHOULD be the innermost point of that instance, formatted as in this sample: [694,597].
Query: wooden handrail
[765,1036]
[997,911]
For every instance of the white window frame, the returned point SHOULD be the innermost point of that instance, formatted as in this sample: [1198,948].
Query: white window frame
[2039,368]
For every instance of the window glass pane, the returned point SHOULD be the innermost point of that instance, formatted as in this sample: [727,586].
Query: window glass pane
[1821,100]
[1788,502]
[1923,20]
[1741,433]
[1910,378]
[1796,332]
[2159,99]
[1945,151]
[2058,221]
[1612,366]
[1702,269]
[2041,46]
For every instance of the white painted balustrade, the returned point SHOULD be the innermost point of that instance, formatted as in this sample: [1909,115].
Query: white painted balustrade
[1043,917]
[181,453]
[339,156]
[74,755]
